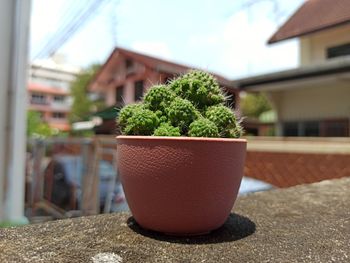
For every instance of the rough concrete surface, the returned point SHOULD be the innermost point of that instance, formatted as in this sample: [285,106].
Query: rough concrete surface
[309,223]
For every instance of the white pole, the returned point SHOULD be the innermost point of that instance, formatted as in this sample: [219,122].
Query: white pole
[14,29]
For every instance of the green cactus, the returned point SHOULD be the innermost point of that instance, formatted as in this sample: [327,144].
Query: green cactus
[166,129]
[126,113]
[142,122]
[225,120]
[158,98]
[200,88]
[203,128]
[181,113]
[163,117]
[191,105]
[234,132]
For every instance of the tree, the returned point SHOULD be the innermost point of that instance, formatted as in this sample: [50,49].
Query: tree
[36,127]
[252,105]
[82,104]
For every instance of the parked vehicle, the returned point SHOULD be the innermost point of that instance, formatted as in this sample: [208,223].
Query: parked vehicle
[63,181]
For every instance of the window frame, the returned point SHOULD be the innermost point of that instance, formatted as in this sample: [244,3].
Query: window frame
[139,89]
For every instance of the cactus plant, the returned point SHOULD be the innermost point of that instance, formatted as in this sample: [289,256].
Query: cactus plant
[225,119]
[191,105]
[201,88]
[203,128]
[166,129]
[182,113]
[158,98]
[142,122]
[126,113]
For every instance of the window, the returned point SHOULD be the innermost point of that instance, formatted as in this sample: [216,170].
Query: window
[338,51]
[59,98]
[119,96]
[290,129]
[336,128]
[138,90]
[128,63]
[38,98]
[58,115]
[95,96]
[311,129]
[317,128]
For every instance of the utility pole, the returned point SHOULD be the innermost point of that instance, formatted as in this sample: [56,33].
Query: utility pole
[14,31]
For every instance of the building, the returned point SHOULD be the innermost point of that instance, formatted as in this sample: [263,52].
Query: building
[49,90]
[125,77]
[313,99]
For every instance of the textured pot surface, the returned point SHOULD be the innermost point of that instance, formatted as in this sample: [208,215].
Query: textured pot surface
[180,185]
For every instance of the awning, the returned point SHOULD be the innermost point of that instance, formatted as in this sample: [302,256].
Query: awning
[108,113]
[330,67]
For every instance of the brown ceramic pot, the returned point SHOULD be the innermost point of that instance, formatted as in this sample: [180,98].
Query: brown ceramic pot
[180,185]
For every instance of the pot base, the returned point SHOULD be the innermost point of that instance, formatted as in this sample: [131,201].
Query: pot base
[187,234]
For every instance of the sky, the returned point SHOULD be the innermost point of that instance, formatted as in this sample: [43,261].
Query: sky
[223,36]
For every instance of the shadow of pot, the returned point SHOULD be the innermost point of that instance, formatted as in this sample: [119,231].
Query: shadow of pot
[180,185]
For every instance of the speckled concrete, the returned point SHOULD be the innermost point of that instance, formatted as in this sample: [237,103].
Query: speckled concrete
[308,223]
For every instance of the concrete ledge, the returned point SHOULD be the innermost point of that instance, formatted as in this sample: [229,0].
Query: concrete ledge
[309,223]
[312,145]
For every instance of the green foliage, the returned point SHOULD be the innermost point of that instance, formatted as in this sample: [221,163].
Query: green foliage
[252,105]
[181,113]
[199,87]
[158,98]
[82,105]
[203,128]
[36,127]
[191,105]
[165,129]
[142,122]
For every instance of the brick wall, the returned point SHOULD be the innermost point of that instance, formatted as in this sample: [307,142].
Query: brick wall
[283,169]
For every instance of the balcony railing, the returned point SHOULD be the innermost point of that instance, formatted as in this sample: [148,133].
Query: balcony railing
[39,102]
[63,105]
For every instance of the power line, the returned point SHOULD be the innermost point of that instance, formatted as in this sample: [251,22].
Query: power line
[68,13]
[113,21]
[62,31]
[81,17]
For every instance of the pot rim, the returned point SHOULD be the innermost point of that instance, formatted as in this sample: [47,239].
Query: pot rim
[180,138]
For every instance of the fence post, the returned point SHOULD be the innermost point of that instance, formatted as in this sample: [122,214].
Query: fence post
[90,178]
[36,179]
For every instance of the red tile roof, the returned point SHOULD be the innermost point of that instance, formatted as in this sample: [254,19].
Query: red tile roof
[157,64]
[313,16]
[34,87]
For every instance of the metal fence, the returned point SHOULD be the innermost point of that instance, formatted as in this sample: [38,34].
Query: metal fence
[50,194]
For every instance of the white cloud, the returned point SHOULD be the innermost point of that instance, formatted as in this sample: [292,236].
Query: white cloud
[154,48]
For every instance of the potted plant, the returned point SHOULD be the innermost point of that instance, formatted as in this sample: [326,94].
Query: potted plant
[180,157]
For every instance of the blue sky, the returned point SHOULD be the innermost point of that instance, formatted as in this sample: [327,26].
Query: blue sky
[218,35]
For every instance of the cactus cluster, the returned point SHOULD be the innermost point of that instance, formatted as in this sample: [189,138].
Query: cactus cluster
[191,105]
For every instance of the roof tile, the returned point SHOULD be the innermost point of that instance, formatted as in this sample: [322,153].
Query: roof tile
[313,16]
